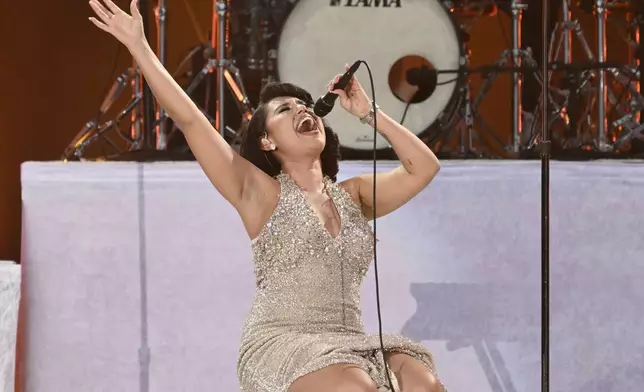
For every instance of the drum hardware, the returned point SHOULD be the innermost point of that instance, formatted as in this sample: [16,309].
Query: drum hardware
[567,34]
[160,13]
[512,58]
[227,73]
[517,8]
[466,113]
[253,60]
[349,34]
[579,92]
[140,108]
[525,63]
[146,110]
[142,123]
[475,8]
[600,15]
[92,132]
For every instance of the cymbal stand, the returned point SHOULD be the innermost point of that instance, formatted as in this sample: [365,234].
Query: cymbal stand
[630,120]
[227,73]
[567,34]
[602,89]
[160,13]
[577,82]
[136,115]
[91,130]
[579,86]
[77,148]
[517,8]
[467,115]
[507,58]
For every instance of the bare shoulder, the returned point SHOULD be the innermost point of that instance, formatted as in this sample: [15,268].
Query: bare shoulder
[259,200]
[352,187]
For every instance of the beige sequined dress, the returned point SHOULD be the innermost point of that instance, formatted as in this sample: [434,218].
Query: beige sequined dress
[306,312]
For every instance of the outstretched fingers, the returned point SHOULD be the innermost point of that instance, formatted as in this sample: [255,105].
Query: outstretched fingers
[98,24]
[134,9]
[113,7]
[101,11]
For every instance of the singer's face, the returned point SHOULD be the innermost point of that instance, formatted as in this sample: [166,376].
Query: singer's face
[294,128]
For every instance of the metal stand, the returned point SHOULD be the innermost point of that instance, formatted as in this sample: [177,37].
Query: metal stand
[160,131]
[148,99]
[578,94]
[227,72]
[136,116]
[567,40]
[507,58]
[148,123]
[600,15]
[139,141]
[467,115]
[517,8]
[545,151]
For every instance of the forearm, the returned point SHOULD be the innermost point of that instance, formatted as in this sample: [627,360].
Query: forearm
[415,156]
[168,93]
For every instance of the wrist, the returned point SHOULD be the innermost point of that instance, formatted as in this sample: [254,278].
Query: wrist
[139,47]
[368,117]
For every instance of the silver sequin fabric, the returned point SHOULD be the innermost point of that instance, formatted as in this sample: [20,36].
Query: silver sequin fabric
[306,312]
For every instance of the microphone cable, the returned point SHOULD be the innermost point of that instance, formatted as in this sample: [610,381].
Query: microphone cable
[375,241]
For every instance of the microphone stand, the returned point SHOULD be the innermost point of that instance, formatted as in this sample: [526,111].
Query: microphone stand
[545,151]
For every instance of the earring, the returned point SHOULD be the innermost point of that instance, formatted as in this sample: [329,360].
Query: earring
[265,142]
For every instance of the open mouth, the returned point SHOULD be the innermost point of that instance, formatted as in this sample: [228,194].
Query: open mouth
[307,126]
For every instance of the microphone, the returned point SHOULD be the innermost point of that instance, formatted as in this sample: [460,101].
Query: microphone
[425,78]
[324,104]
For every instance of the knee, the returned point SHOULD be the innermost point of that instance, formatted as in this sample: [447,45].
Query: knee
[428,384]
[355,384]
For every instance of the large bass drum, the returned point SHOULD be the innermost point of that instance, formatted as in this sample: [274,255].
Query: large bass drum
[392,36]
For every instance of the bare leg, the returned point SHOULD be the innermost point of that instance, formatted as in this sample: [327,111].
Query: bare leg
[335,378]
[412,374]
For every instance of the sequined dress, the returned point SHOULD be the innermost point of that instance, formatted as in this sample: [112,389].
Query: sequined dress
[306,311]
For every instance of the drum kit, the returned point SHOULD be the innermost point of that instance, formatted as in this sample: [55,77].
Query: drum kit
[419,52]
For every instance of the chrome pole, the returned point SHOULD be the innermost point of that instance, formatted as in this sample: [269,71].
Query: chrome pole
[602,91]
[517,77]
[160,13]
[566,18]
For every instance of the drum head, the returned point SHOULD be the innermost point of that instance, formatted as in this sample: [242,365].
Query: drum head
[321,36]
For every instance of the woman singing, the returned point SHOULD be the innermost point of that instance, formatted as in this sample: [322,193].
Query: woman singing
[310,236]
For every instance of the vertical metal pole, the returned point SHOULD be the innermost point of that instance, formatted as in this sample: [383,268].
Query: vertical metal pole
[635,56]
[220,9]
[148,100]
[567,39]
[160,13]
[517,76]
[602,91]
[545,209]
[136,116]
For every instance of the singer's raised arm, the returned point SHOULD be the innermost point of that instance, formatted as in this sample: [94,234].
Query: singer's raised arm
[228,171]
[396,187]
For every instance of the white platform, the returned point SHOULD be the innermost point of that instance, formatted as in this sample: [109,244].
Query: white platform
[459,271]
[9,301]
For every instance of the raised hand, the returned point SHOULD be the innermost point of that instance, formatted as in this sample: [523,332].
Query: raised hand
[353,98]
[127,29]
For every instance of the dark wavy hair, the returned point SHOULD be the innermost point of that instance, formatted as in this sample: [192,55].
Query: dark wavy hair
[251,134]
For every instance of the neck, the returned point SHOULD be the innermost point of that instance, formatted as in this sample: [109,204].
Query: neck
[308,176]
